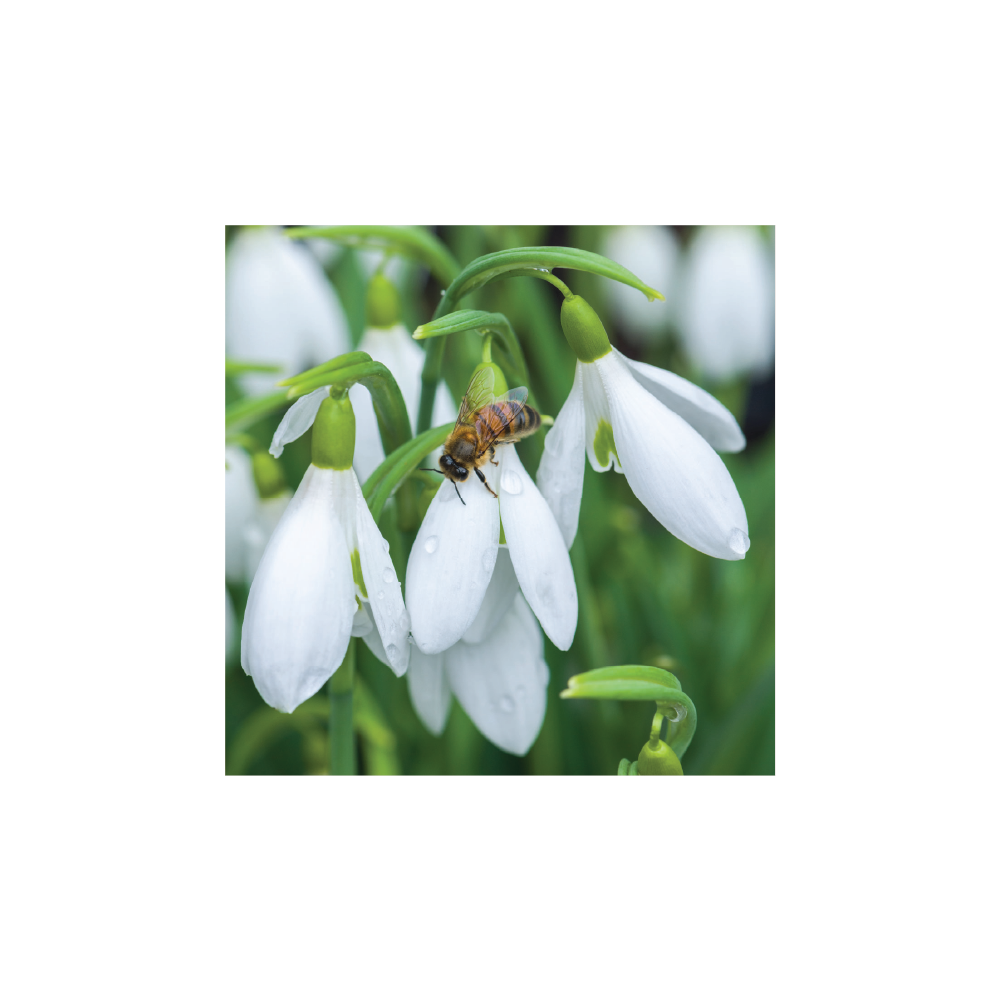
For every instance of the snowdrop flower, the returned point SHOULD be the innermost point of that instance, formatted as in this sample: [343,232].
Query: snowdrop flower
[256,498]
[496,670]
[727,304]
[386,340]
[325,573]
[280,307]
[454,557]
[656,428]
[651,251]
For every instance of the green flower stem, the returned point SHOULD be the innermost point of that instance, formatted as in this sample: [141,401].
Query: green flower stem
[398,465]
[341,361]
[430,375]
[547,276]
[414,242]
[341,733]
[390,410]
[234,367]
[658,722]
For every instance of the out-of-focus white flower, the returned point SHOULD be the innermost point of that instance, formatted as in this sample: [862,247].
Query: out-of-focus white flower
[231,628]
[660,431]
[396,349]
[250,518]
[650,251]
[454,556]
[726,314]
[496,670]
[325,558]
[280,307]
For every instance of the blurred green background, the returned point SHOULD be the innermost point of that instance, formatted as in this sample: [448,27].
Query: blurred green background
[645,597]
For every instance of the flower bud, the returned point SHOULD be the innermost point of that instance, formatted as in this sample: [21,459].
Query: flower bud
[334,434]
[583,330]
[382,303]
[500,383]
[657,758]
[268,475]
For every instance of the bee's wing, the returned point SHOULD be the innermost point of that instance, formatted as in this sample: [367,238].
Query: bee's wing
[518,395]
[479,393]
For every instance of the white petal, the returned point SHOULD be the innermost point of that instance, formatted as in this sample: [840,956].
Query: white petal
[500,593]
[451,563]
[385,595]
[672,470]
[561,471]
[727,309]
[651,253]
[429,691]
[595,412]
[501,682]
[241,509]
[538,551]
[361,625]
[298,419]
[280,307]
[302,601]
[230,626]
[444,409]
[704,412]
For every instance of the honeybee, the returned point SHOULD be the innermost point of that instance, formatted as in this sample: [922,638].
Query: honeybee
[485,421]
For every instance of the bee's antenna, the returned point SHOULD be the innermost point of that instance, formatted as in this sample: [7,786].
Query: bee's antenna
[457,494]
[425,469]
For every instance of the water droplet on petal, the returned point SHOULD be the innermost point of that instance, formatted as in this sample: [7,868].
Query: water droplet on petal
[385,545]
[431,544]
[388,576]
[381,595]
[511,482]
[557,489]
[738,541]
[507,704]
[390,651]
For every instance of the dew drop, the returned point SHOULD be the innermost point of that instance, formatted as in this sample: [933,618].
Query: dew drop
[511,482]
[385,545]
[507,704]
[431,544]
[391,651]
[381,595]
[557,489]
[388,576]
[738,541]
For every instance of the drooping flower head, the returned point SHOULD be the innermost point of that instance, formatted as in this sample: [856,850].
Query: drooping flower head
[656,428]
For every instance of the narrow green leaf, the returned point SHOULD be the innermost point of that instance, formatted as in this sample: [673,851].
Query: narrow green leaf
[397,466]
[234,367]
[341,361]
[414,242]
[482,322]
[243,413]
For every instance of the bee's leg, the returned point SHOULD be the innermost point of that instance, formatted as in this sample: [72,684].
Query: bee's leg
[457,494]
[483,480]
[492,459]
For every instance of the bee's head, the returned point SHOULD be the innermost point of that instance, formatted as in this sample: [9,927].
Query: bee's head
[452,469]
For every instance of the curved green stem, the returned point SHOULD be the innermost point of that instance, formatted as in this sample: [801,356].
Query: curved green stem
[547,276]
[414,242]
[395,467]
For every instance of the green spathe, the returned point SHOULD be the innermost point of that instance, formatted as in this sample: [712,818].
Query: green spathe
[382,303]
[334,434]
[583,329]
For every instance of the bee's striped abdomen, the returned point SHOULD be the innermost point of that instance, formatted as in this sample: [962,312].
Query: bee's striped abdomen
[506,420]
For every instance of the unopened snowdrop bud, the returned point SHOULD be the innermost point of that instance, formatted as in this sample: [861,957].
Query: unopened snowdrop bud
[658,758]
[583,329]
[268,476]
[334,434]
[382,303]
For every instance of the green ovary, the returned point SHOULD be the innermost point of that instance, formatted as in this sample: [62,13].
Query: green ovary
[604,443]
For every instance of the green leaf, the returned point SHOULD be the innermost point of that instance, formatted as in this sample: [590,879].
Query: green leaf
[341,361]
[490,267]
[414,242]
[398,465]
[234,367]
[483,323]
[243,413]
